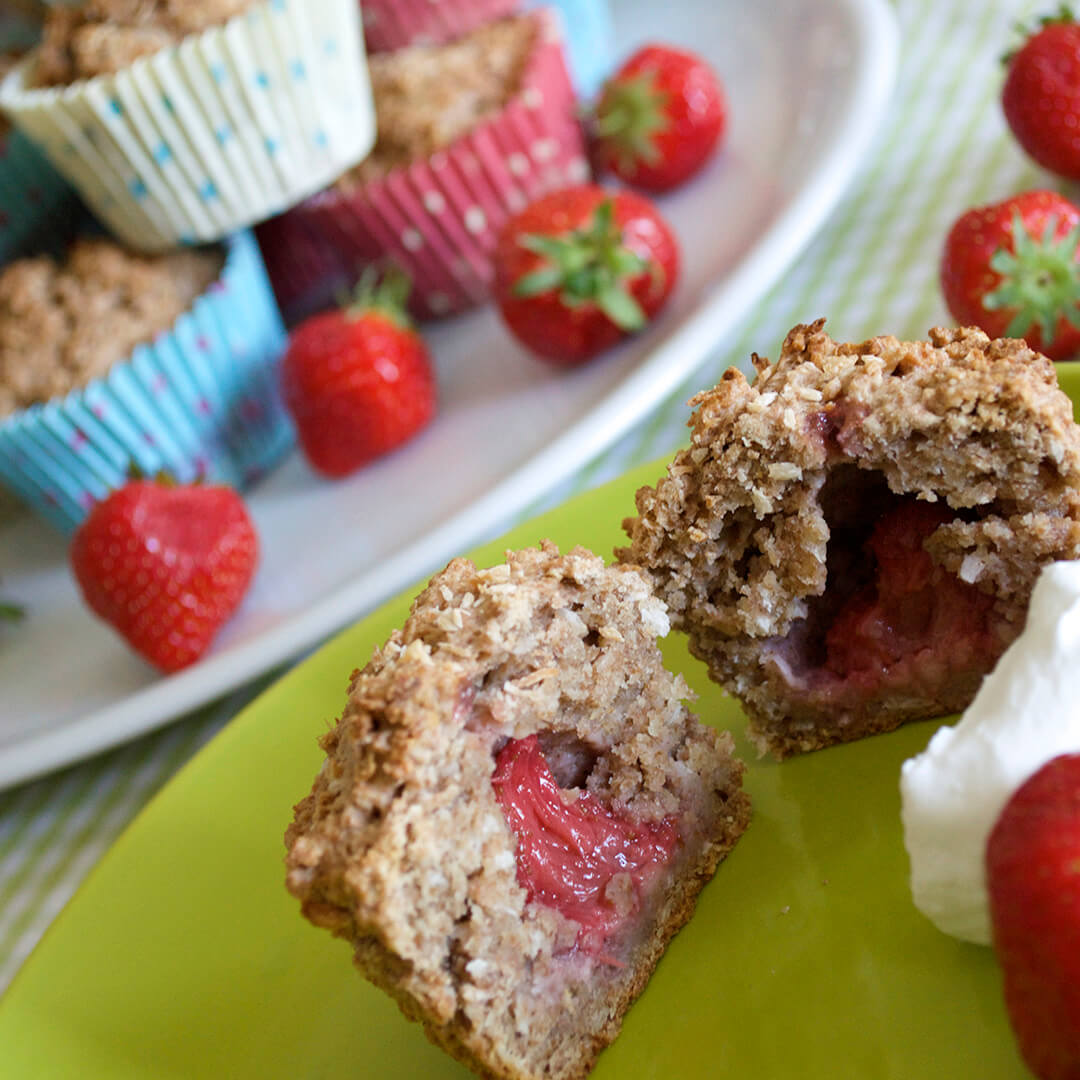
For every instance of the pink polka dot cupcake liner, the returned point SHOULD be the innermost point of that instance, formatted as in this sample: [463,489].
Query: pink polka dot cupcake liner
[438,219]
[393,24]
[200,401]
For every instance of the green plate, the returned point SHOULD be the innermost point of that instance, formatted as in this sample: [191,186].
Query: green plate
[183,956]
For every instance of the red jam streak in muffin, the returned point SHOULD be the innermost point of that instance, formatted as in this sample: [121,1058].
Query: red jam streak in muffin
[576,856]
[911,606]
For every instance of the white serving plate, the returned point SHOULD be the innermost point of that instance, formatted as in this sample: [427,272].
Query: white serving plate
[807,81]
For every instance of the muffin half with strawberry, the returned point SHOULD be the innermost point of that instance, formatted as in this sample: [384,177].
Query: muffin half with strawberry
[851,541]
[179,123]
[469,133]
[113,363]
[517,811]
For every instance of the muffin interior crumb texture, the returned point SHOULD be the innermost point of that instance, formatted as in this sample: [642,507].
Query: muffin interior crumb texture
[850,542]
[101,37]
[404,849]
[63,324]
[426,96]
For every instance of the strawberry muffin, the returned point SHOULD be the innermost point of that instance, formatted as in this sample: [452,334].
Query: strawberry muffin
[181,122]
[113,362]
[469,133]
[851,541]
[517,811]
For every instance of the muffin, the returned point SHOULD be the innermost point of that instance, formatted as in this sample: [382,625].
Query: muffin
[517,811]
[179,123]
[468,134]
[113,362]
[851,541]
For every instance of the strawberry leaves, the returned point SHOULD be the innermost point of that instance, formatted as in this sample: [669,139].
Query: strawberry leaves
[1040,279]
[588,265]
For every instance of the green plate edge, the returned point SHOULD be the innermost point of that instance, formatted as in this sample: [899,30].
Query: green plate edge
[183,956]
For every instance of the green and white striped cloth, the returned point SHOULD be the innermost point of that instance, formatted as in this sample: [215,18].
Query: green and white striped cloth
[872,269]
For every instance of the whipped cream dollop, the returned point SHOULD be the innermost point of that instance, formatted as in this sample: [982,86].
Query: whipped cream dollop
[1026,712]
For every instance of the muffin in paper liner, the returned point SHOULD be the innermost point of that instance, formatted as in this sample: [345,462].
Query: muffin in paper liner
[393,24]
[227,128]
[439,217]
[201,400]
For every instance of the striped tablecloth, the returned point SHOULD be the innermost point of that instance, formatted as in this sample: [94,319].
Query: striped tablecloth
[872,269]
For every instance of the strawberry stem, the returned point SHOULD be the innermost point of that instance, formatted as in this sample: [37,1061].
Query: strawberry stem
[588,265]
[629,113]
[382,289]
[1064,14]
[1040,280]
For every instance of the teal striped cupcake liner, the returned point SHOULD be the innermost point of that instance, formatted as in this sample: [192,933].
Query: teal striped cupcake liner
[200,401]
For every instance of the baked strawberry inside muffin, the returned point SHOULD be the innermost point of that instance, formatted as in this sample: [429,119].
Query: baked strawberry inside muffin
[517,811]
[851,541]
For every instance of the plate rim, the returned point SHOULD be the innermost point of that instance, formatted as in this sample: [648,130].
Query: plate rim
[875,47]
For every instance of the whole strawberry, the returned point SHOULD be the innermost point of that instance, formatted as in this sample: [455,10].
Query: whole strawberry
[1041,96]
[166,566]
[1033,878]
[1013,269]
[659,118]
[580,269]
[358,380]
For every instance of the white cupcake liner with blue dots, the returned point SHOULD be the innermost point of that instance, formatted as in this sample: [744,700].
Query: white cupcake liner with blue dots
[201,400]
[229,127]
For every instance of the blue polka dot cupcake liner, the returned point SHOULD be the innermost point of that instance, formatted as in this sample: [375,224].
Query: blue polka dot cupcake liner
[225,129]
[199,401]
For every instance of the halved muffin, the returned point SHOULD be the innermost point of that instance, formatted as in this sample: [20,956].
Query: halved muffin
[851,542]
[517,811]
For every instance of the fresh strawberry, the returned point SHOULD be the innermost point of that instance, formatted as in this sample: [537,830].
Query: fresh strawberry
[659,118]
[581,268]
[1033,879]
[1013,269]
[166,566]
[358,380]
[1041,96]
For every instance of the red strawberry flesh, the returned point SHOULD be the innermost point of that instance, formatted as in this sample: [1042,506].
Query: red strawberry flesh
[911,608]
[571,851]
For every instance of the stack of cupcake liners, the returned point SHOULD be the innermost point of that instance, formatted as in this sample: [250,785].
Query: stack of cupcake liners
[438,219]
[229,127]
[201,401]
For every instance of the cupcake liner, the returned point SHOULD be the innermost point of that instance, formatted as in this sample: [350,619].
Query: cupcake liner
[200,400]
[393,24]
[226,129]
[438,219]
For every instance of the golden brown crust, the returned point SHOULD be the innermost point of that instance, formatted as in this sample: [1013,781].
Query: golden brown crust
[734,538]
[102,37]
[62,325]
[402,849]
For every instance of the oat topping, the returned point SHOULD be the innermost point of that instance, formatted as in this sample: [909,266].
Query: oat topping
[62,325]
